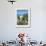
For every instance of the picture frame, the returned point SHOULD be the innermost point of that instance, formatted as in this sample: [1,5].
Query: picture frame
[23,17]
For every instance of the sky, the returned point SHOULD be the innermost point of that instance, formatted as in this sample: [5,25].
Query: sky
[21,12]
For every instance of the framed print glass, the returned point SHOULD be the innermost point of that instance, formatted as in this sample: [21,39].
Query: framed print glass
[22,17]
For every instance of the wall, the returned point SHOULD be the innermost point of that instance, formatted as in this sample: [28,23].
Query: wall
[8,30]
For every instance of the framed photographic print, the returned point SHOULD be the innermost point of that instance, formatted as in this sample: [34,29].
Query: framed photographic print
[23,17]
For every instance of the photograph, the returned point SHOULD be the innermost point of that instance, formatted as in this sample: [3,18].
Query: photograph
[23,17]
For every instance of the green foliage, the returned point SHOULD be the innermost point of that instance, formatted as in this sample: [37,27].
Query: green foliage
[24,20]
